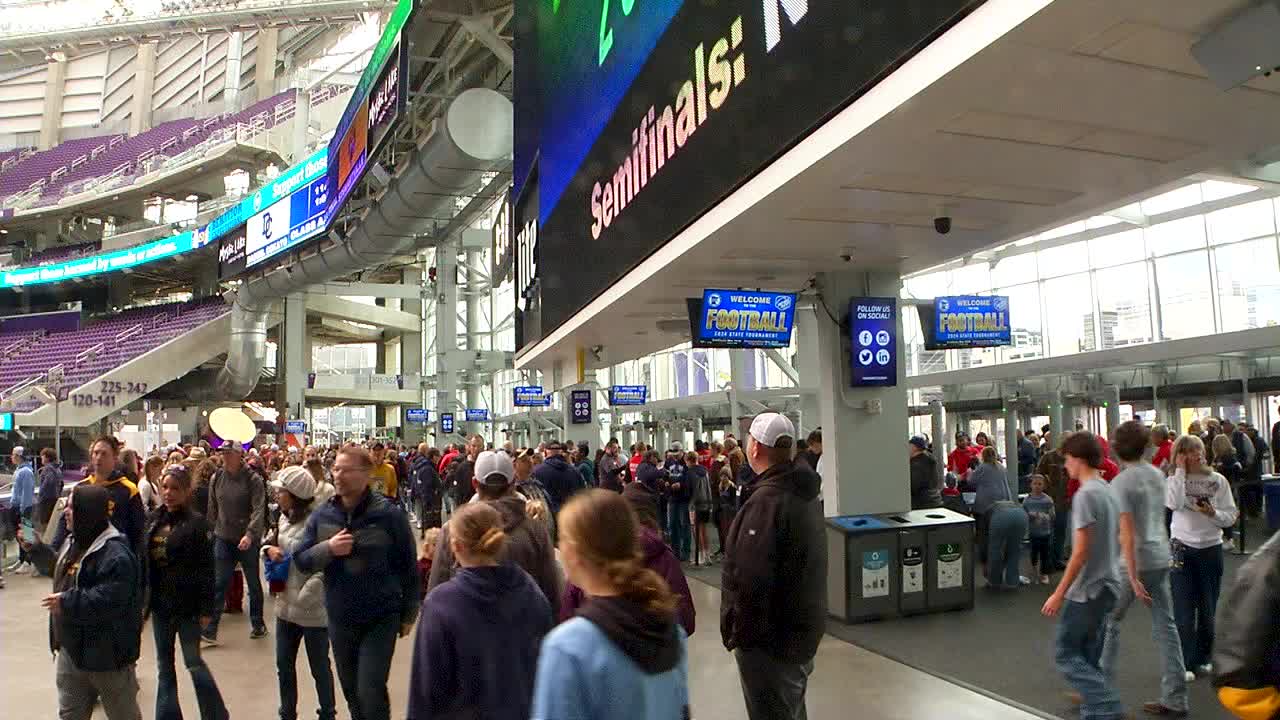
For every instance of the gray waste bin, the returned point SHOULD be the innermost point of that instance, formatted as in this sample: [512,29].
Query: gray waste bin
[862,579]
[948,558]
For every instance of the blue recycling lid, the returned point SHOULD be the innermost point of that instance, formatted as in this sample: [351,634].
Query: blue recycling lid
[858,523]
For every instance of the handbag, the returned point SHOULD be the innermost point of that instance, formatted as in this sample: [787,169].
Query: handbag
[276,571]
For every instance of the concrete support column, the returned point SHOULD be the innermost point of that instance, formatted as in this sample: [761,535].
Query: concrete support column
[411,356]
[144,89]
[55,81]
[301,124]
[737,379]
[231,80]
[1112,395]
[206,282]
[446,337]
[297,357]
[473,297]
[1010,448]
[854,419]
[807,366]
[119,290]
[380,368]
[264,64]
[1246,398]
[698,432]
[938,417]
[1058,418]
[588,433]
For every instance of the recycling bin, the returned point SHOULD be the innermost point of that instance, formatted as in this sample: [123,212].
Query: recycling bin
[936,560]
[1271,500]
[862,579]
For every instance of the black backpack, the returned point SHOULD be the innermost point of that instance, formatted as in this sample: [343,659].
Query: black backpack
[458,479]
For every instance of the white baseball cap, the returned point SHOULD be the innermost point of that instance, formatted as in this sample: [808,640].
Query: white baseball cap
[19,451]
[297,481]
[492,462]
[770,428]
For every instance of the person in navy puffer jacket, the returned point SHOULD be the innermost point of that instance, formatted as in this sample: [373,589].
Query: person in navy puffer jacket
[363,544]
[560,478]
[476,651]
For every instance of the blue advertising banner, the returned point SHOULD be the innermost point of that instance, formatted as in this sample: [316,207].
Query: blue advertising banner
[971,321]
[84,267]
[315,166]
[295,427]
[873,329]
[287,223]
[530,396]
[416,415]
[446,423]
[477,415]
[746,318]
[628,394]
[581,400]
[6,422]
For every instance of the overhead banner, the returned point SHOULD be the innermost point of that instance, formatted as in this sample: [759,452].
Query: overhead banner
[287,223]
[971,321]
[873,329]
[647,114]
[530,396]
[231,250]
[745,318]
[84,267]
[315,166]
[628,394]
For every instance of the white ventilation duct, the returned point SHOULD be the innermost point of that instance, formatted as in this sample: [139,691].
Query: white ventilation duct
[469,138]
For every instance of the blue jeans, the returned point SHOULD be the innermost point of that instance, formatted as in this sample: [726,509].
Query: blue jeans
[362,653]
[678,521]
[1004,546]
[226,554]
[1173,681]
[186,630]
[1196,581]
[289,636]
[1078,654]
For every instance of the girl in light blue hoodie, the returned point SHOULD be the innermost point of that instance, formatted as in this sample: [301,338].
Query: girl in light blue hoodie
[624,656]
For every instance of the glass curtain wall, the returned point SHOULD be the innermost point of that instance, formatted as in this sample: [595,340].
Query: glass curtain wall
[1198,260]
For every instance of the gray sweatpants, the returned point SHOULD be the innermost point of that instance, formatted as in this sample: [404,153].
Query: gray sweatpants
[77,690]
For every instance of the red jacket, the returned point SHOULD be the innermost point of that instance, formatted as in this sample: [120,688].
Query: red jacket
[448,458]
[1163,454]
[958,460]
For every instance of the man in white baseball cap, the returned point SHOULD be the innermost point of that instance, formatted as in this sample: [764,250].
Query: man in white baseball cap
[774,599]
[528,540]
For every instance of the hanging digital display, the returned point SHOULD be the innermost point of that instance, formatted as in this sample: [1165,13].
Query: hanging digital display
[84,267]
[477,415]
[873,331]
[580,408]
[743,319]
[648,113]
[287,223]
[970,321]
[530,396]
[446,423]
[628,394]
[416,415]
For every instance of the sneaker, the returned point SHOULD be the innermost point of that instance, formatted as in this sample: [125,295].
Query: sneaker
[1229,545]
[258,633]
[1044,579]
[1190,676]
[209,641]
[23,569]
[1161,710]
[1204,670]
[1024,580]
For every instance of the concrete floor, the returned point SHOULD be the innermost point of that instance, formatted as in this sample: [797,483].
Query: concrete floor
[846,677]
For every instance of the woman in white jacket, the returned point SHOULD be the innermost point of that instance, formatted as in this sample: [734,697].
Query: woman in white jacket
[300,612]
[1202,506]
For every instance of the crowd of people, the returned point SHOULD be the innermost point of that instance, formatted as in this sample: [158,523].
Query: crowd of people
[1146,517]
[543,582]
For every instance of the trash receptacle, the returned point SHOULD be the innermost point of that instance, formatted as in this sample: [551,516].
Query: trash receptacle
[1271,498]
[941,541]
[862,582]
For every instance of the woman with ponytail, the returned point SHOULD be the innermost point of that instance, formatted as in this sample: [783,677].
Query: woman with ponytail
[624,657]
[476,650]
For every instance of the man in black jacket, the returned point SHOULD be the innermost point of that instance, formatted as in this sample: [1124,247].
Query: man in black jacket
[560,478]
[926,486]
[774,581]
[425,483]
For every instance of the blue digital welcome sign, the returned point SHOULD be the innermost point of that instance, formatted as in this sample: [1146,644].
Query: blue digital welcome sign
[971,321]
[743,319]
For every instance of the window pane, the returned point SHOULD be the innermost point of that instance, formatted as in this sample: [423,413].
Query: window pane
[969,279]
[1186,309]
[1248,284]
[1122,247]
[1124,306]
[1176,236]
[1217,189]
[1064,259]
[1241,222]
[1068,304]
[1013,270]
[1024,323]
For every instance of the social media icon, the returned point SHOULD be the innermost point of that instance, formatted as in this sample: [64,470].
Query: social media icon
[864,357]
[882,338]
[882,357]
[864,337]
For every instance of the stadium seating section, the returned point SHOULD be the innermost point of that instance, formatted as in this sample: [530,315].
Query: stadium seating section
[30,178]
[97,347]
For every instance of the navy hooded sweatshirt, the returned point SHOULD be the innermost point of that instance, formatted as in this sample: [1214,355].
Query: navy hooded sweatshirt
[476,651]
